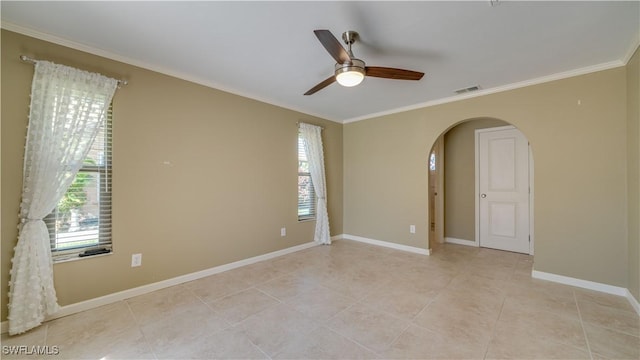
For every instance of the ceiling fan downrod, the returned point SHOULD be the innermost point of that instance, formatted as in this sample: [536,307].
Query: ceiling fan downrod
[349,38]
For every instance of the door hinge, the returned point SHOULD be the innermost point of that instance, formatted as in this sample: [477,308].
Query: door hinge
[529,238]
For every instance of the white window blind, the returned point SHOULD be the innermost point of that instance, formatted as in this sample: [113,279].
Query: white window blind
[306,194]
[81,223]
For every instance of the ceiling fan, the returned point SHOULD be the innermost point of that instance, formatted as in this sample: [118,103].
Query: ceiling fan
[350,71]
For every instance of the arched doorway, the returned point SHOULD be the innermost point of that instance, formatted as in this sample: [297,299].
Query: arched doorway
[453,181]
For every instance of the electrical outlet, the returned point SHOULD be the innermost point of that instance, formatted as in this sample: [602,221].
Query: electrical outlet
[283,232]
[136,260]
[412,229]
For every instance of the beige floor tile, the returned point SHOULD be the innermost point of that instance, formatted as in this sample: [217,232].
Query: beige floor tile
[524,266]
[488,269]
[507,345]
[15,347]
[450,261]
[166,302]
[273,329]
[529,332]
[499,256]
[336,267]
[614,301]
[465,314]
[289,263]
[316,256]
[128,344]
[108,331]
[239,306]
[419,343]
[444,265]
[373,329]
[402,299]
[288,286]
[611,344]
[315,274]
[609,317]
[217,286]
[372,267]
[399,263]
[559,300]
[519,280]
[177,335]
[32,337]
[354,284]
[424,278]
[83,329]
[357,247]
[259,273]
[320,303]
[323,343]
[471,282]
[458,255]
[523,320]
[230,343]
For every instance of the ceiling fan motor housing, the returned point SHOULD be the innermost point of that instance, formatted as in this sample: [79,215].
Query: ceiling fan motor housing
[354,65]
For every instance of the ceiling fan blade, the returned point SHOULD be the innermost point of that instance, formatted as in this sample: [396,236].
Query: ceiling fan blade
[393,73]
[330,80]
[333,46]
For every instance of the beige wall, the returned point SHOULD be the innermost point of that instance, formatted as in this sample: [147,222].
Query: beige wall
[459,178]
[633,171]
[229,190]
[576,128]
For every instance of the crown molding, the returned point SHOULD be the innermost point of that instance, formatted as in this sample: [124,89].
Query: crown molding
[632,49]
[148,66]
[153,67]
[497,89]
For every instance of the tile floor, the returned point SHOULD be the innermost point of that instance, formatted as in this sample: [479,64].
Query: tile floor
[352,301]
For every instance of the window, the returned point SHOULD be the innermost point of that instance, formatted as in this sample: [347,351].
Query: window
[306,194]
[81,223]
[432,161]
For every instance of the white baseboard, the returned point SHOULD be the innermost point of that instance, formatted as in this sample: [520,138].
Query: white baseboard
[337,237]
[451,240]
[586,284]
[387,244]
[140,290]
[633,301]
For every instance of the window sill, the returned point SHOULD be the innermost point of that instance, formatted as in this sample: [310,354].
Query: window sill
[306,220]
[76,258]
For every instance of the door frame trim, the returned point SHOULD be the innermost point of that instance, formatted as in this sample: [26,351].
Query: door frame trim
[439,237]
[477,132]
[439,200]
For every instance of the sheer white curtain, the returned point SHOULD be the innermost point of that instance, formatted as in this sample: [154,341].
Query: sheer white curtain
[312,136]
[67,109]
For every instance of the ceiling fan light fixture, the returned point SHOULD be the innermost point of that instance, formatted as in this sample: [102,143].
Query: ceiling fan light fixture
[350,78]
[350,74]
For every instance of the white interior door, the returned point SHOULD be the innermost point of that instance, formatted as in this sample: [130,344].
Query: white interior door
[503,189]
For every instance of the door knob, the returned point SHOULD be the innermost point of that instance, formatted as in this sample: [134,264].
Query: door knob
[483,196]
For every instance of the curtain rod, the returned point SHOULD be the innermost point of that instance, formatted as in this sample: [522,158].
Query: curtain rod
[33,61]
[300,122]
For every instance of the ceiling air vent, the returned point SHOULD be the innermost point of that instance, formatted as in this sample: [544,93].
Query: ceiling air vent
[467,89]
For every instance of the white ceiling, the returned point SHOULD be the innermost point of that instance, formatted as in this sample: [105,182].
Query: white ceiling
[267,50]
